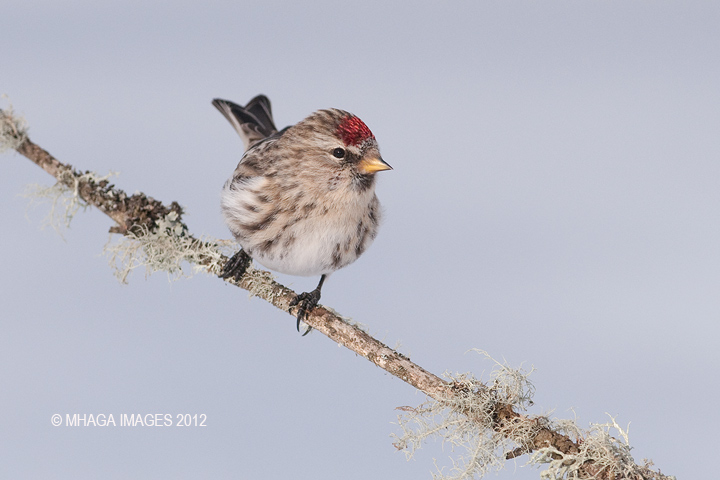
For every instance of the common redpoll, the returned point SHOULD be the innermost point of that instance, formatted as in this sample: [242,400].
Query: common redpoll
[302,200]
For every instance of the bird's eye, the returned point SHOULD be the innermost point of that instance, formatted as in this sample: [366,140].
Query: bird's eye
[339,152]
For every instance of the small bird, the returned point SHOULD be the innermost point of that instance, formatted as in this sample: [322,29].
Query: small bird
[302,200]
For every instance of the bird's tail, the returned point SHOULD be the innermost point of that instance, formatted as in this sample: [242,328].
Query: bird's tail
[253,121]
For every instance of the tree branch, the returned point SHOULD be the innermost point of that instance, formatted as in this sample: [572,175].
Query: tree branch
[139,213]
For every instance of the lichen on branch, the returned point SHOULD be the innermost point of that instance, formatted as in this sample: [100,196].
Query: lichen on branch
[64,197]
[13,129]
[166,248]
[481,421]
[465,417]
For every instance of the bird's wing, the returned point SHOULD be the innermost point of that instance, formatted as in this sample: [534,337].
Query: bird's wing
[253,122]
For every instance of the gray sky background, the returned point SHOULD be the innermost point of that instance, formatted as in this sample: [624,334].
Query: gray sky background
[554,202]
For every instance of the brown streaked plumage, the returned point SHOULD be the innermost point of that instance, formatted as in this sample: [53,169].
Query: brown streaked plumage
[301,201]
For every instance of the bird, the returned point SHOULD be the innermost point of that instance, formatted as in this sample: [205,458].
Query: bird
[302,200]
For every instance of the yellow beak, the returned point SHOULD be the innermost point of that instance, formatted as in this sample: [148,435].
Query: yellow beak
[372,165]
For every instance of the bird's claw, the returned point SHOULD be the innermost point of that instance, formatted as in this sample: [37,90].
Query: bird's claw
[305,301]
[236,266]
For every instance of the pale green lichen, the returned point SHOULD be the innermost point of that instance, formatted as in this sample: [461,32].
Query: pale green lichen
[259,283]
[63,196]
[167,247]
[13,129]
[464,421]
[163,248]
[608,454]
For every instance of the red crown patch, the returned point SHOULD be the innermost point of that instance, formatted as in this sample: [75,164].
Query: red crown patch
[353,131]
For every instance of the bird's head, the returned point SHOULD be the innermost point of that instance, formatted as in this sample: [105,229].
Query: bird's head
[359,146]
[341,140]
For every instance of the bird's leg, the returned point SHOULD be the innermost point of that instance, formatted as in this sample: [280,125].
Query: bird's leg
[236,266]
[307,301]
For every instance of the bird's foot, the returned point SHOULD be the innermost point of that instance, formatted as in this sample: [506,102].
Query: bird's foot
[306,302]
[236,266]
